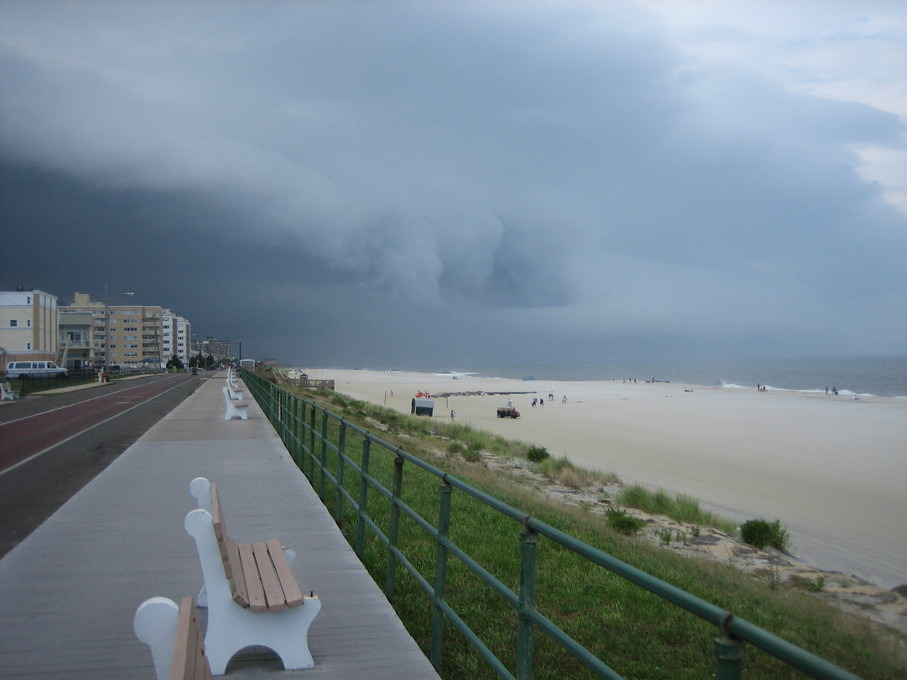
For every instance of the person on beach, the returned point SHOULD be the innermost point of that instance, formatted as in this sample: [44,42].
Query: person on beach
[453,414]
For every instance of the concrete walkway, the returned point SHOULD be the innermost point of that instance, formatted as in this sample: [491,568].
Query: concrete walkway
[68,593]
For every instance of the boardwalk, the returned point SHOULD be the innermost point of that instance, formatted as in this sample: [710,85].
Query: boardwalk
[68,593]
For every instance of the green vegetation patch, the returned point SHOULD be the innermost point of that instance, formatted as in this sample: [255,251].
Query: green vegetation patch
[635,632]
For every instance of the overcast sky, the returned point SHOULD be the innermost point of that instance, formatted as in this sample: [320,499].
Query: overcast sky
[403,184]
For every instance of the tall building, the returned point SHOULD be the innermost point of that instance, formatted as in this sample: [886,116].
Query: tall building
[176,336]
[219,349]
[28,326]
[130,336]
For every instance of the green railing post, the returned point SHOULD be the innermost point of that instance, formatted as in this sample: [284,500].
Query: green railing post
[728,657]
[298,412]
[437,619]
[363,498]
[524,642]
[324,455]
[341,451]
[312,445]
[390,574]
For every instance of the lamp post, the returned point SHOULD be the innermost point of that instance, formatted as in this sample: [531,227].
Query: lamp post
[107,299]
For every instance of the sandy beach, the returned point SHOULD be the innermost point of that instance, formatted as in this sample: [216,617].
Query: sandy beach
[833,469]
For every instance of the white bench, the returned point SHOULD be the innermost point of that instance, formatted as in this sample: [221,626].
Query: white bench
[252,595]
[7,393]
[205,493]
[235,392]
[176,641]
[235,408]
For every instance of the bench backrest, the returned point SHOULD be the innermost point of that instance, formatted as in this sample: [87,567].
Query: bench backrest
[229,552]
[189,659]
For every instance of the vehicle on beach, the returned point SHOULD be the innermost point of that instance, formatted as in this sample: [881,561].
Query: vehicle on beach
[508,412]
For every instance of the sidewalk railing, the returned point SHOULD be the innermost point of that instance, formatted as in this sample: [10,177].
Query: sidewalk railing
[342,461]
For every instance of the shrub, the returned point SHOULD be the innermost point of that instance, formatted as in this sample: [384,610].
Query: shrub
[472,454]
[624,523]
[760,533]
[537,454]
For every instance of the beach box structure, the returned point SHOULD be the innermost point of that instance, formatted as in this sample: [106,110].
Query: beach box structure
[423,407]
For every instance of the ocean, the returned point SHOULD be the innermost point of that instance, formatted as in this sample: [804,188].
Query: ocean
[863,376]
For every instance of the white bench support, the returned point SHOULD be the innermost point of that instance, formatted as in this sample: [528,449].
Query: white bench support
[7,393]
[231,627]
[235,408]
[175,638]
[236,393]
[155,625]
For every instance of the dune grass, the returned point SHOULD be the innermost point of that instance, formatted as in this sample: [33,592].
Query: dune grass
[681,507]
[636,633]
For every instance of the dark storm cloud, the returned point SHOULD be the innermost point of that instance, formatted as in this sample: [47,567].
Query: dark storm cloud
[393,180]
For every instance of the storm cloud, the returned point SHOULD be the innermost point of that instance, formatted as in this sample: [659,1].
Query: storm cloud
[380,184]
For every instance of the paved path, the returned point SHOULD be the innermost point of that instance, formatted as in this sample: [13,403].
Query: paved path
[68,593]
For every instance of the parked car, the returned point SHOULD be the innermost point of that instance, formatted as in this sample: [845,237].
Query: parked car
[508,412]
[34,369]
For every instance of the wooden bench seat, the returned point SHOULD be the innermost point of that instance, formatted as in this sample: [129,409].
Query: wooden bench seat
[176,641]
[250,590]
[259,573]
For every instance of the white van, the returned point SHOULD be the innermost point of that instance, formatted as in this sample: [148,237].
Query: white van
[34,369]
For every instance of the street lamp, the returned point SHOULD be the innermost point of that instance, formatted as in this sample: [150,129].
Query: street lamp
[107,299]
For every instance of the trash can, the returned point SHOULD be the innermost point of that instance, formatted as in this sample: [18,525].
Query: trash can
[423,407]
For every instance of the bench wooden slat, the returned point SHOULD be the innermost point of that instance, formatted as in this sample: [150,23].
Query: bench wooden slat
[291,592]
[234,572]
[181,655]
[254,591]
[269,581]
[189,660]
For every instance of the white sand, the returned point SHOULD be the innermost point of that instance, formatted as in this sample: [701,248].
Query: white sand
[832,469]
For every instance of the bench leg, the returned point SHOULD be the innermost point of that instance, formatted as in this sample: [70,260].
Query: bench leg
[285,632]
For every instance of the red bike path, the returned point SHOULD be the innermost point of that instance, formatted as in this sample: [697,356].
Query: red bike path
[22,439]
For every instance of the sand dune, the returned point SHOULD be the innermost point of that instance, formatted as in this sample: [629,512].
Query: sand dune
[832,469]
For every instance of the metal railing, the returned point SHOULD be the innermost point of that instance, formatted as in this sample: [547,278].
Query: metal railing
[320,443]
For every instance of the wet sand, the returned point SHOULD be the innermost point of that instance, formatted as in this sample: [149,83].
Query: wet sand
[831,468]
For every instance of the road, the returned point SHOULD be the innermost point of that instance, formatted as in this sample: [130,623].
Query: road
[52,445]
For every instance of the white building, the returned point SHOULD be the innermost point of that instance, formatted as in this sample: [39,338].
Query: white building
[176,336]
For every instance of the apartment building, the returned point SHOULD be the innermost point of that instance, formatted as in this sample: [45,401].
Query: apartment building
[89,332]
[219,349]
[133,336]
[28,326]
[176,336]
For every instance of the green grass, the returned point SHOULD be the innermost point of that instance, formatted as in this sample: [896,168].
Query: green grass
[636,633]
[680,507]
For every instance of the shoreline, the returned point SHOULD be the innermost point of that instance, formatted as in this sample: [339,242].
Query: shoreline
[829,467]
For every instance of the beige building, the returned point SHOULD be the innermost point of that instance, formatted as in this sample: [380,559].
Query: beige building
[28,326]
[132,336]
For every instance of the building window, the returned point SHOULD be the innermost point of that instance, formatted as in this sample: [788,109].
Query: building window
[14,323]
